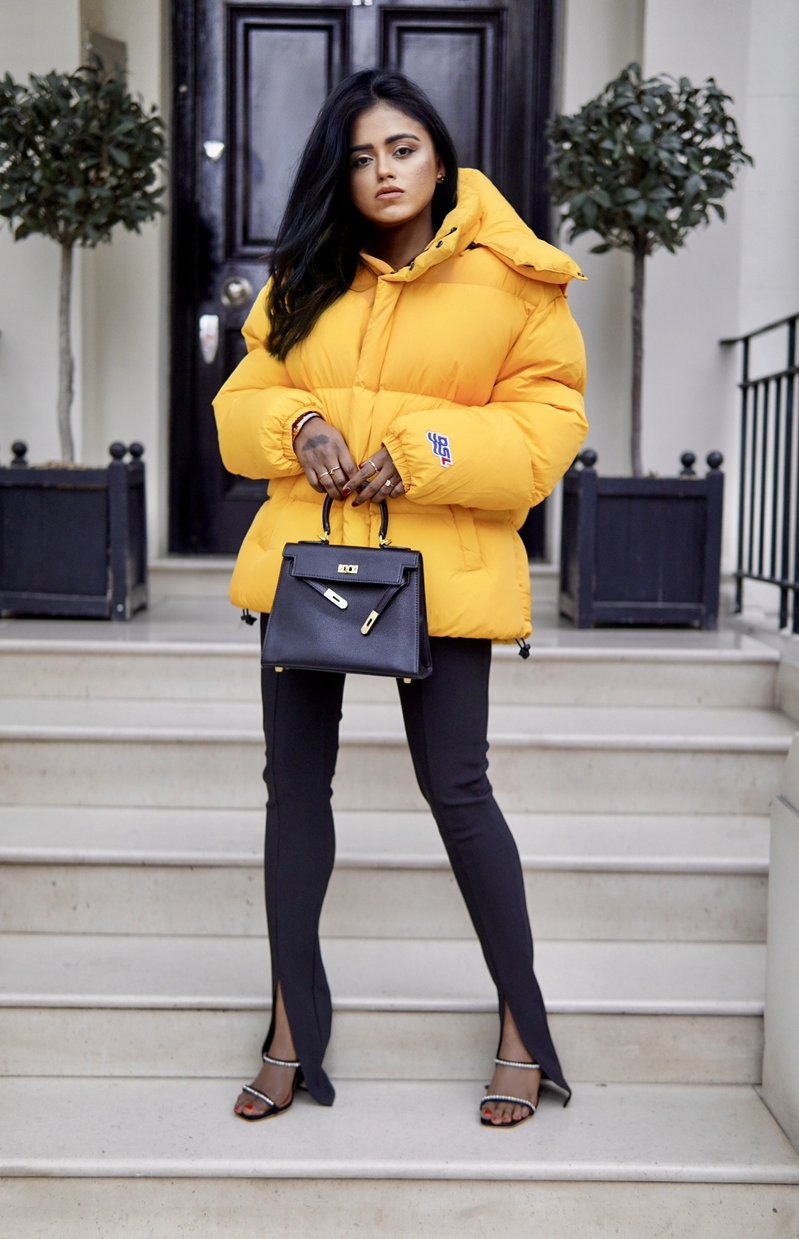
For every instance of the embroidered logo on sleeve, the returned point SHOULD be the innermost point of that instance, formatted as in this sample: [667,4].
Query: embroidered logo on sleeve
[440,447]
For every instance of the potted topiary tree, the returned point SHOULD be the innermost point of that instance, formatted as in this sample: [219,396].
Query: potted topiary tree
[78,156]
[642,165]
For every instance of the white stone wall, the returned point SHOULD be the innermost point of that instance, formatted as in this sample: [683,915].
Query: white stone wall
[780,1060]
[769,284]
[35,36]
[730,278]
[597,41]
[120,292]
[125,290]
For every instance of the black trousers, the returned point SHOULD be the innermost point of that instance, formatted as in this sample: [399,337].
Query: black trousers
[446,720]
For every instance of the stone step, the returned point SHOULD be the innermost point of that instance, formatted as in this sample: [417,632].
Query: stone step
[196,576]
[131,1005]
[193,577]
[200,872]
[656,843]
[556,673]
[544,758]
[119,1157]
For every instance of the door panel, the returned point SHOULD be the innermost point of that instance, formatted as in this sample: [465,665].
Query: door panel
[249,81]
[470,99]
[272,118]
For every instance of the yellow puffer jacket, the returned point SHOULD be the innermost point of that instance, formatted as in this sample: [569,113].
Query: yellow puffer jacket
[469,367]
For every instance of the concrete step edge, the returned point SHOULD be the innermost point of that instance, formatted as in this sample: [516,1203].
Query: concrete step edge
[710,865]
[557,842]
[698,743]
[215,973]
[155,1002]
[701,1134]
[176,647]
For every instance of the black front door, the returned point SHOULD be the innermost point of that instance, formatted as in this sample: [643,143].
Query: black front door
[249,81]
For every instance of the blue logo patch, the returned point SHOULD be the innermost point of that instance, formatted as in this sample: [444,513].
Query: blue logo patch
[440,447]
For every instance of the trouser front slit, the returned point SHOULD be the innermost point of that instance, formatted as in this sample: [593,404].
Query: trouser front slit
[302,711]
[446,722]
[445,719]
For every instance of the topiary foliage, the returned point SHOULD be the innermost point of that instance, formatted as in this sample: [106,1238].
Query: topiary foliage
[642,165]
[78,156]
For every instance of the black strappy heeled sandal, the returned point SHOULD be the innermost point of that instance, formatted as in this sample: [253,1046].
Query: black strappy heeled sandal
[519,1101]
[272,1108]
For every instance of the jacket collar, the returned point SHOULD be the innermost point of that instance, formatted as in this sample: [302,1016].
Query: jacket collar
[483,217]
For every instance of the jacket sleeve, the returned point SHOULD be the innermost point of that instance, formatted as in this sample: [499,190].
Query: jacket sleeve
[510,452]
[257,407]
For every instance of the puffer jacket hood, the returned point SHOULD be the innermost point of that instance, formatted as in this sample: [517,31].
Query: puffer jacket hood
[500,229]
[467,365]
[484,217]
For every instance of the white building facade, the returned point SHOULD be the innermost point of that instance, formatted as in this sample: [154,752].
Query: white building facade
[731,278]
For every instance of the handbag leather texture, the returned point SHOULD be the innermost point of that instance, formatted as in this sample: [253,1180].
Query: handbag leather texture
[350,608]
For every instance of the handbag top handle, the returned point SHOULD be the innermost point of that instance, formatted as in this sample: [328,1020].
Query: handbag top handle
[383,521]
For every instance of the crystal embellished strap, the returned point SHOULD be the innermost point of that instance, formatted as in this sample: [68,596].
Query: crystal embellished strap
[278,1062]
[508,1062]
[522,1101]
[248,1088]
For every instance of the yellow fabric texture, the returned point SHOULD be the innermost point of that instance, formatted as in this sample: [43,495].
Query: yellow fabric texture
[469,352]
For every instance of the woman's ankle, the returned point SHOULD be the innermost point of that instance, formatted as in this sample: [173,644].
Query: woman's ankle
[511,1046]
[282,1043]
[282,1055]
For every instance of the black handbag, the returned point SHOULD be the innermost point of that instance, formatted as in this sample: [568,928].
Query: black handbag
[349,608]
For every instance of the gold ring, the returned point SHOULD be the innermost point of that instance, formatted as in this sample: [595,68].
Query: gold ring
[374,466]
[326,473]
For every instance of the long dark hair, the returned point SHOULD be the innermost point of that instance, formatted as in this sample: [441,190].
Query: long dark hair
[316,252]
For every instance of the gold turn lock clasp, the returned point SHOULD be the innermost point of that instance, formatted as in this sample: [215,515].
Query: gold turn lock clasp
[369,622]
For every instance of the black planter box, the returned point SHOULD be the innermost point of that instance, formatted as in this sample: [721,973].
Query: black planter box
[73,541]
[641,550]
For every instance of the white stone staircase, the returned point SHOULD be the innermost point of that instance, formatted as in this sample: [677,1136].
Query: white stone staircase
[636,770]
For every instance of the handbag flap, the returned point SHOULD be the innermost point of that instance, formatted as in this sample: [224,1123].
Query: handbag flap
[350,564]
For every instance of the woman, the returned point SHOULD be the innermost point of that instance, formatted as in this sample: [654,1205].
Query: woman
[414,344]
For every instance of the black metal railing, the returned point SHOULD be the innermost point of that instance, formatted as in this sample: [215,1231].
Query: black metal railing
[768,511]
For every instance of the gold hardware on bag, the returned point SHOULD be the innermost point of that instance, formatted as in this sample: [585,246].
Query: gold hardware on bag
[406,679]
[278,668]
[369,622]
[332,596]
[348,568]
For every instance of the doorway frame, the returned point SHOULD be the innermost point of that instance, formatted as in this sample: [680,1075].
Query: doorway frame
[184,273]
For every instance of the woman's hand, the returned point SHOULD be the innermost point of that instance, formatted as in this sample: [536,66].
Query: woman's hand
[325,457]
[376,479]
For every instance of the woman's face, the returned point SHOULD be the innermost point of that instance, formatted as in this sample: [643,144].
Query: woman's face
[394,167]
